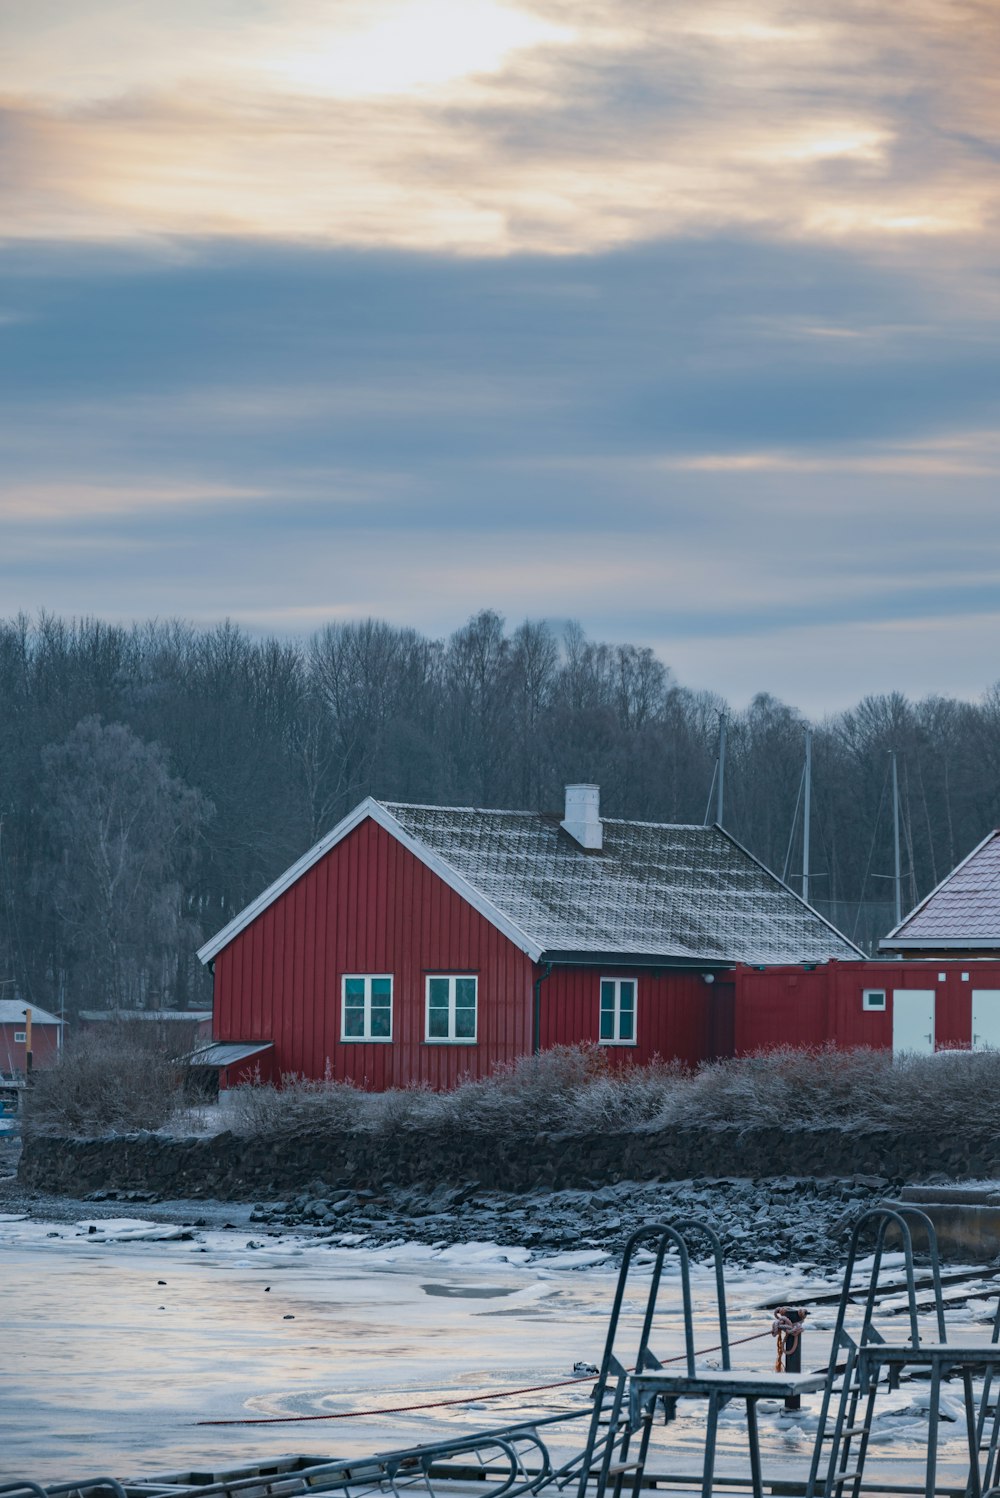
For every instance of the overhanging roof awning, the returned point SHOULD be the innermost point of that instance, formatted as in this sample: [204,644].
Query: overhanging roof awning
[229,1054]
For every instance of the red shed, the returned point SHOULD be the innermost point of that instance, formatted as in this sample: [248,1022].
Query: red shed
[937,988]
[46,1037]
[920,1005]
[418,944]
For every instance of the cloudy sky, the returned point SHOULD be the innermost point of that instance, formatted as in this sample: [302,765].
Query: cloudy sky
[678,317]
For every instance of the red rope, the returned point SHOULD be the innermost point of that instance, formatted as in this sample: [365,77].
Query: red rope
[438,1404]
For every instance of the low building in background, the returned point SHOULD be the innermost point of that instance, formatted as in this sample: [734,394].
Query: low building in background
[935,988]
[46,1037]
[180,1030]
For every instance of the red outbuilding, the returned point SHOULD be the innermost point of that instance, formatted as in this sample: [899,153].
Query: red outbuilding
[17,1019]
[418,944]
[936,988]
[920,1005]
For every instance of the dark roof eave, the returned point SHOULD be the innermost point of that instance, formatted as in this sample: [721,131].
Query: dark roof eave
[939,943]
[562,958]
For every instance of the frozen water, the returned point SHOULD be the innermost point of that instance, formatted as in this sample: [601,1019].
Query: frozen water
[118,1343]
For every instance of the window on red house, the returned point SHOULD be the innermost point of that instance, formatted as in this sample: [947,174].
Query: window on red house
[618,1011]
[451,1008]
[366,1006]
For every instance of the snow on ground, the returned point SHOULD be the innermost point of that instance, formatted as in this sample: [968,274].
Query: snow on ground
[122,1334]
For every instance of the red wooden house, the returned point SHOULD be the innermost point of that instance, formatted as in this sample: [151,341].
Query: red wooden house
[418,944]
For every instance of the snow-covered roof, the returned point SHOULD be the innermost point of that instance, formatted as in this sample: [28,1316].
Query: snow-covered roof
[654,889]
[669,893]
[158,1016]
[12,1013]
[962,912]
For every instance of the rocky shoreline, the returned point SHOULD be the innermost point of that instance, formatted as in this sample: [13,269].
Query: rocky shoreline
[783,1220]
[799,1220]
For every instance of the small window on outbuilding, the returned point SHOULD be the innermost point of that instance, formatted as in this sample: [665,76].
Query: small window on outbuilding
[20,1037]
[873,998]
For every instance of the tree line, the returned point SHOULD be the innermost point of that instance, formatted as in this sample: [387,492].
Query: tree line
[156,777]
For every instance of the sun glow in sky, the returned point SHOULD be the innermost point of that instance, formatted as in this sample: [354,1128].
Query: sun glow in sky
[319,308]
[405,46]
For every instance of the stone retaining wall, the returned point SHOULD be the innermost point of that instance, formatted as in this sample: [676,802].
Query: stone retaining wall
[234,1168]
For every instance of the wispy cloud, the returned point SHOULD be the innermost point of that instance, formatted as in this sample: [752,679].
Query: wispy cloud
[482,128]
[682,319]
[67,499]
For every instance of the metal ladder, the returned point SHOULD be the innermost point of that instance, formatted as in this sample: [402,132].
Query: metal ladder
[610,1393]
[850,1434]
[627,1397]
[991,1446]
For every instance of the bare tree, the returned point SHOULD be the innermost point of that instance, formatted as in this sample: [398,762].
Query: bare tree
[123,832]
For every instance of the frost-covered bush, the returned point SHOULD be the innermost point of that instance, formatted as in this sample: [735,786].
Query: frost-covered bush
[574,1088]
[581,1089]
[783,1086]
[567,1087]
[858,1089]
[532,1094]
[109,1081]
[299,1103]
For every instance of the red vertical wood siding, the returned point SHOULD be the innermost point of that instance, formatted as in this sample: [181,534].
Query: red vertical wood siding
[370,906]
[44,1046]
[811,1007]
[254,1069]
[675,1013]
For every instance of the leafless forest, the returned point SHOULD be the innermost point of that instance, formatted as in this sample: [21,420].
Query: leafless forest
[155,778]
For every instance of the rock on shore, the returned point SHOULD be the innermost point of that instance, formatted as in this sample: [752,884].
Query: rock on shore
[785,1219]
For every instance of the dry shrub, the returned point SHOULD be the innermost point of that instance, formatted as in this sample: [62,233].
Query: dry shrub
[299,1103]
[110,1081]
[566,1088]
[579,1089]
[855,1089]
[783,1086]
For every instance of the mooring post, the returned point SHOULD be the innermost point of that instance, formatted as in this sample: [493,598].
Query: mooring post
[793,1351]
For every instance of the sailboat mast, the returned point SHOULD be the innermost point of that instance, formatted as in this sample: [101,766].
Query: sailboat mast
[897,876]
[720,788]
[806,812]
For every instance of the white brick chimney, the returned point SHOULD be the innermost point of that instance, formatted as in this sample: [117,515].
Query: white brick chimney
[583,816]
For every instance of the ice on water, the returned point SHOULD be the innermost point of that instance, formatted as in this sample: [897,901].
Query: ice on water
[126,1337]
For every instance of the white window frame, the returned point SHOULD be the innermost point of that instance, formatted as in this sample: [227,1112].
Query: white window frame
[367,1038]
[452,979]
[870,994]
[20,1037]
[617,1038]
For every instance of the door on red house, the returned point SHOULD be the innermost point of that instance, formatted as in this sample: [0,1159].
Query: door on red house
[913,1020]
[986,1019]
